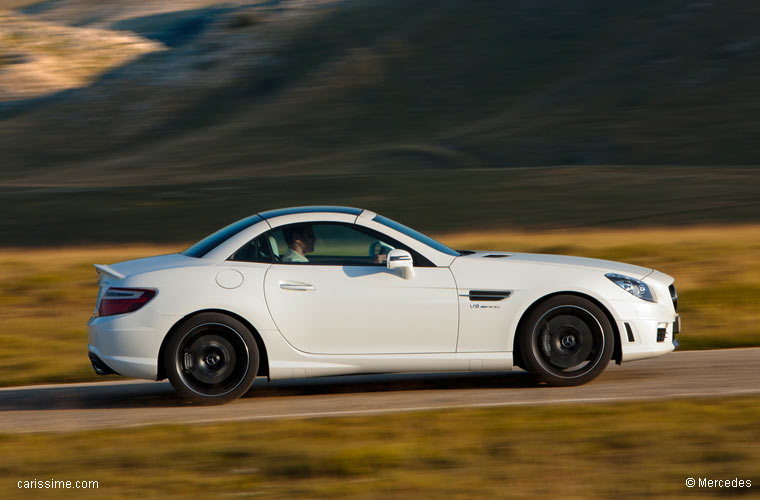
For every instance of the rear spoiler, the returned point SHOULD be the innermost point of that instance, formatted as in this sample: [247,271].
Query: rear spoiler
[102,268]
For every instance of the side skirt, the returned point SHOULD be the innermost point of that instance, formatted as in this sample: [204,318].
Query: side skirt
[325,365]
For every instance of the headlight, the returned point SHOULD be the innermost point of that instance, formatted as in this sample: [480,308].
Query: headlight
[632,286]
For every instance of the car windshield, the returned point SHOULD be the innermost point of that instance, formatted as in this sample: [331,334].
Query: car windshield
[214,240]
[427,240]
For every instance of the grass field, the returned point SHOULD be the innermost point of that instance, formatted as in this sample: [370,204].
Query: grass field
[632,451]
[47,295]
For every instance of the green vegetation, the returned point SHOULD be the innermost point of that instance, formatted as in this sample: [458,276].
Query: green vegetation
[635,451]
[47,295]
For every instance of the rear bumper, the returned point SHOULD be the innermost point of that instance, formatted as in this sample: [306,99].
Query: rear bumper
[99,366]
[128,344]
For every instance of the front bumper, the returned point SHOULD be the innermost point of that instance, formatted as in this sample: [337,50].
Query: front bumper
[646,329]
[676,331]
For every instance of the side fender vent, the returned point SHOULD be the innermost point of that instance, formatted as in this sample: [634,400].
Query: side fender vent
[488,295]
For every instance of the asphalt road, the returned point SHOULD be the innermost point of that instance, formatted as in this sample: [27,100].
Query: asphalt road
[136,403]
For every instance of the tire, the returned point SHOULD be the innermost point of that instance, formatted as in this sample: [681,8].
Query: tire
[211,359]
[566,340]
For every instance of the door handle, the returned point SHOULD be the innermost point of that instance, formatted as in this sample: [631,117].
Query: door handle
[297,286]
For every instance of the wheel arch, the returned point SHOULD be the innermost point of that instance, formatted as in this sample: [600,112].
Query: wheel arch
[617,350]
[263,356]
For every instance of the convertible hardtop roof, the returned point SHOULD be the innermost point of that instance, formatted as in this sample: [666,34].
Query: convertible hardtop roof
[312,209]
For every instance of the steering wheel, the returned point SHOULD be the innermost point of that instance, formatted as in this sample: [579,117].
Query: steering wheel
[378,247]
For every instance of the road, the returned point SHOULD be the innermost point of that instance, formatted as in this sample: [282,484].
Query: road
[125,404]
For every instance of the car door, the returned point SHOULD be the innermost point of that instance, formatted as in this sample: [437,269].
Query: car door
[340,298]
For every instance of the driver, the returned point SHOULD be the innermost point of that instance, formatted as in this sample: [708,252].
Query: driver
[300,240]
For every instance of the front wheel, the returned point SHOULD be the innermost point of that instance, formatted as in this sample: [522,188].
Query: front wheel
[567,340]
[211,359]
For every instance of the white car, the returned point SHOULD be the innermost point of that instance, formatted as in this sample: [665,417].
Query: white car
[314,291]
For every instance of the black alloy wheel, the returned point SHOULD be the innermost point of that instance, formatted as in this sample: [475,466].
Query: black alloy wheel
[211,359]
[566,340]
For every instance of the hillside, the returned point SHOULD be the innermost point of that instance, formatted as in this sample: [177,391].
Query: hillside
[43,58]
[251,105]
[250,89]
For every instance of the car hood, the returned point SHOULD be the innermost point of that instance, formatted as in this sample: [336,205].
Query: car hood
[606,266]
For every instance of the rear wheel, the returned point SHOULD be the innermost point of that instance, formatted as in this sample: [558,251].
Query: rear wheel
[211,359]
[567,340]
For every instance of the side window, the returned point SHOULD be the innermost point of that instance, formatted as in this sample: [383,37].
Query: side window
[260,249]
[323,243]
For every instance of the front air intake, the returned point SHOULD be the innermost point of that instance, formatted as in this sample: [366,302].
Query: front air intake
[629,332]
[661,333]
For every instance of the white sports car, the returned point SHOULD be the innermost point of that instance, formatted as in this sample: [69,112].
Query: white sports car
[313,291]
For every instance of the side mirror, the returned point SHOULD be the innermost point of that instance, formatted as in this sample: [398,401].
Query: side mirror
[401,259]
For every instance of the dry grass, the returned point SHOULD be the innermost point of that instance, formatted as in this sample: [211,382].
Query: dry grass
[47,295]
[632,451]
[38,58]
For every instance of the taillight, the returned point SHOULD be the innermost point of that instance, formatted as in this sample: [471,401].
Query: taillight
[124,300]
